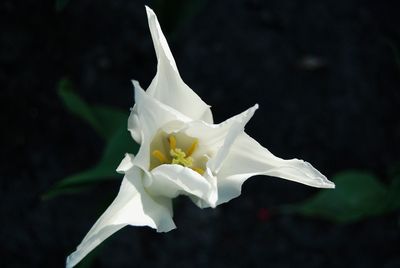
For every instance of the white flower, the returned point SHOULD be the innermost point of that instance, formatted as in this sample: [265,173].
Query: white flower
[183,152]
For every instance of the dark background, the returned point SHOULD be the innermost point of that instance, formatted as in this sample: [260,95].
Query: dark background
[323,72]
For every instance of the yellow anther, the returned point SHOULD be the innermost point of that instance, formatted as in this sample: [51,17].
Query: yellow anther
[192,147]
[179,157]
[198,170]
[175,155]
[160,156]
[172,142]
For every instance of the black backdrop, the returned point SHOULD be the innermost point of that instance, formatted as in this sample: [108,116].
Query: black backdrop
[323,72]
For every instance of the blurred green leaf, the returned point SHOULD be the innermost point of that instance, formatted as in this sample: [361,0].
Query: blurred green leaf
[116,148]
[111,120]
[104,170]
[357,195]
[77,106]
[110,123]
[74,183]
[104,120]
[61,4]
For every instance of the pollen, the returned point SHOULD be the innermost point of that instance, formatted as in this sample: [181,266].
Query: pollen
[179,157]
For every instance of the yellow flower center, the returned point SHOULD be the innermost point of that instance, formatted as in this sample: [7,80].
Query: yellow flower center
[180,158]
[176,155]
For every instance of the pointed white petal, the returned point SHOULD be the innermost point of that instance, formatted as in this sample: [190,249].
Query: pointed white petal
[126,164]
[160,43]
[167,86]
[236,128]
[215,140]
[248,158]
[132,206]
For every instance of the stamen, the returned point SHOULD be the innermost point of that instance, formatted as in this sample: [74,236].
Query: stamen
[160,156]
[176,155]
[198,170]
[192,147]
[172,142]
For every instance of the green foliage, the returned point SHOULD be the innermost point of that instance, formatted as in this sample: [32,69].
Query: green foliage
[358,195]
[104,120]
[110,124]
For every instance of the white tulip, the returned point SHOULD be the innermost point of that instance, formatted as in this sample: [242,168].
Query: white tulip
[182,152]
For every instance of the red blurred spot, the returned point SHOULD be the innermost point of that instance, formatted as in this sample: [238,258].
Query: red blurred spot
[263,214]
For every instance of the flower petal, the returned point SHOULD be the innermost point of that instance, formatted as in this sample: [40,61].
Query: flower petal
[248,158]
[214,144]
[149,115]
[146,118]
[167,86]
[212,198]
[126,164]
[215,140]
[236,128]
[173,180]
[132,206]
